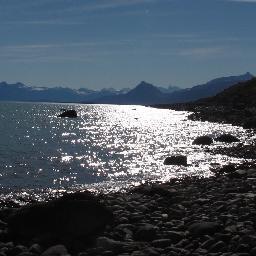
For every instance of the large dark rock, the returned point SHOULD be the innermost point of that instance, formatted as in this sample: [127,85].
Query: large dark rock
[203,140]
[66,218]
[146,232]
[228,138]
[69,113]
[204,228]
[57,250]
[176,160]
[153,189]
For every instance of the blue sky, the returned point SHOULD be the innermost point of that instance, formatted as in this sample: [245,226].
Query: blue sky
[117,43]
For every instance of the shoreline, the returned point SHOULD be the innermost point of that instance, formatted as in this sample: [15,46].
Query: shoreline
[191,216]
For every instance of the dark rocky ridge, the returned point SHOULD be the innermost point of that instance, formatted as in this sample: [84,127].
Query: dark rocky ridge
[235,105]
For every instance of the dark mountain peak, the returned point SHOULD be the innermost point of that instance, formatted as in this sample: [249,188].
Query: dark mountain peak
[145,87]
[248,75]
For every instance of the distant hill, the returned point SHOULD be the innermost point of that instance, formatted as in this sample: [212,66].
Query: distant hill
[21,92]
[239,95]
[148,94]
[143,94]
[208,89]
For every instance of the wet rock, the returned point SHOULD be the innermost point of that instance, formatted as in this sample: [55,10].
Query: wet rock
[57,250]
[204,228]
[238,174]
[147,232]
[203,140]
[159,189]
[253,251]
[175,236]
[109,244]
[228,138]
[35,248]
[27,254]
[17,250]
[176,160]
[69,217]
[227,169]
[69,113]
[161,243]
[218,247]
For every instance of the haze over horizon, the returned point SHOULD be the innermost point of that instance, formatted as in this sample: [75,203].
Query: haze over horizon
[117,43]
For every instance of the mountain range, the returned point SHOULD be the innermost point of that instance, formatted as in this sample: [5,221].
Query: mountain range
[144,93]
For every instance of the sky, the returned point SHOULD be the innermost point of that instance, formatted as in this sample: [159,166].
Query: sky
[118,43]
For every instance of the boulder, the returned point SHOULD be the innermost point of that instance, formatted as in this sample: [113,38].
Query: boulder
[153,189]
[146,232]
[63,219]
[228,138]
[203,140]
[57,250]
[108,244]
[204,228]
[69,113]
[176,160]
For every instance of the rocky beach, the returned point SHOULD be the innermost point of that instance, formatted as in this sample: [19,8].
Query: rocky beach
[190,216]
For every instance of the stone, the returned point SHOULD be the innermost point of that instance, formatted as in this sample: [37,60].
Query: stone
[175,236]
[220,246]
[161,243]
[240,173]
[66,218]
[69,113]
[228,138]
[204,228]
[57,250]
[35,248]
[146,232]
[108,244]
[176,160]
[203,140]
[253,251]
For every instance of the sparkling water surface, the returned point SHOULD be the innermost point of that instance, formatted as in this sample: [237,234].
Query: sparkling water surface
[108,147]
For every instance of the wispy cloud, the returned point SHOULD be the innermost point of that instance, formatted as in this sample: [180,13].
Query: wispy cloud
[243,1]
[201,51]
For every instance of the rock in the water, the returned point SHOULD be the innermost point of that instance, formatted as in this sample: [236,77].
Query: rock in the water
[228,138]
[203,140]
[204,228]
[66,218]
[69,113]
[176,160]
[57,250]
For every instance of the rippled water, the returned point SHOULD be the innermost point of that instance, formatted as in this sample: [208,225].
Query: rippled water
[106,147]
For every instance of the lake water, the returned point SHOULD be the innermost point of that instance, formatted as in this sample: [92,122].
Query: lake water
[108,147]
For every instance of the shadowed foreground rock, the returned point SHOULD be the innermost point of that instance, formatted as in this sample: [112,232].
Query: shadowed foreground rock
[69,113]
[176,160]
[228,138]
[64,219]
[203,140]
